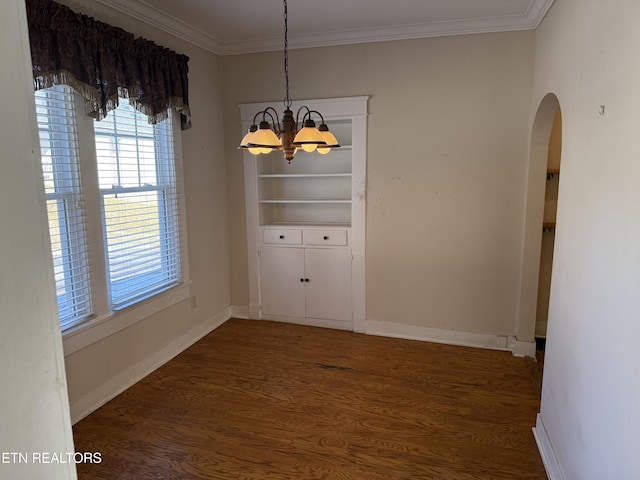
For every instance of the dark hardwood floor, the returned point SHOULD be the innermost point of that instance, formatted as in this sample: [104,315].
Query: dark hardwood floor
[258,400]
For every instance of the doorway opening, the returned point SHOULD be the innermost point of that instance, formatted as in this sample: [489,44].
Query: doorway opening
[548,233]
[540,226]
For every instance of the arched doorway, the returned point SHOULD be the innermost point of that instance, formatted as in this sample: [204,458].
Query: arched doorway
[548,228]
[540,169]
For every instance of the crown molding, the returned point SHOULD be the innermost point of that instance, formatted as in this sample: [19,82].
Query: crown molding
[147,13]
[537,11]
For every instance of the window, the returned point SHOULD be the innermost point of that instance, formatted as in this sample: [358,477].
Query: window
[113,206]
[62,181]
[139,205]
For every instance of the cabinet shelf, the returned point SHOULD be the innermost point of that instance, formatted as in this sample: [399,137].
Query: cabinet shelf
[305,200]
[307,224]
[305,175]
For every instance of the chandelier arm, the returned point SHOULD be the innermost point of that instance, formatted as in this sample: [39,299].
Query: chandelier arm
[264,119]
[264,114]
[319,114]
[255,117]
[275,121]
[308,112]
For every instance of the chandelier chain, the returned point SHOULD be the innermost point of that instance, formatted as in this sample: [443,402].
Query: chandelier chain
[285,137]
[287,99]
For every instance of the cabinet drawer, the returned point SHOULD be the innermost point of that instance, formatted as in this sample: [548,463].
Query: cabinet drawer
[325,237]
[282,236]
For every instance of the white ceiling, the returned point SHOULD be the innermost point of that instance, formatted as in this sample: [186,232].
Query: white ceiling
[228,27]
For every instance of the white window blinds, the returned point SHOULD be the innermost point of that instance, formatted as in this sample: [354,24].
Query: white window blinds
[61,171]
[139,202]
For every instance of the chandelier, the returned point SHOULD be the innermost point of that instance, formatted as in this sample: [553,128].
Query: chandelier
[271,135]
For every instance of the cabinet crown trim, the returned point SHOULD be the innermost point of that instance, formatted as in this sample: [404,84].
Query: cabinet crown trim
[341,107]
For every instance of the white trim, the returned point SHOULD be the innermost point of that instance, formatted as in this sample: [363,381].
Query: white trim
[359,324]
[331,108]
[549,459]
[410,332]
[438,335]
[118,384]
[338,108]
[387,33]
[359,213]
[178,165]
[254,311]
[311,322]
[523,349]
[252,221]
[537,11]
[147,13]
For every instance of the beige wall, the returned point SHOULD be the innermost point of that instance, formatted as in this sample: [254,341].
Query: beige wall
[587,54]
[206,207]
[449,128]
[447,156]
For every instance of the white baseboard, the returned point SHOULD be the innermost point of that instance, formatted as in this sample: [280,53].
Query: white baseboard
[438,335]
[311,322]
[359,324]
[254,311]
[411,332]
[110,389]
[549,459]
[523,349]
[239,312]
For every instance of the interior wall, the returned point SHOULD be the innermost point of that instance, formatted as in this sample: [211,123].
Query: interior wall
[586,53]
[447,156]
[34,405]
[206,209]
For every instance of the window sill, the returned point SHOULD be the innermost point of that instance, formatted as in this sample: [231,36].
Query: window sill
[89,332]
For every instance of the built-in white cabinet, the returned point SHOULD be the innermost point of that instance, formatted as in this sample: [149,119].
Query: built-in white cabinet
[306,282]
[306,224]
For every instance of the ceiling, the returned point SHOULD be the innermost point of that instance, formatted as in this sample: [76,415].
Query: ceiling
[229,27]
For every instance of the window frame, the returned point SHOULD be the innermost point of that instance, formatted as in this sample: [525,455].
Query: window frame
[67,193]
[105,321]
[115,141]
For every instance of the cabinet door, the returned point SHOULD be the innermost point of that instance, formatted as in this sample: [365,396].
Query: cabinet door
[281,272]
[328,293]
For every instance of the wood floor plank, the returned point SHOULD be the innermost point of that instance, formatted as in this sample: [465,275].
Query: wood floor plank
[265,400]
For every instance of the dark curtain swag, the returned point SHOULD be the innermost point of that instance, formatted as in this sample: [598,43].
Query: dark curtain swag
[102,62]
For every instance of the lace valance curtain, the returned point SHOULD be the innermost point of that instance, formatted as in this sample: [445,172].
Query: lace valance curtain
[101,62]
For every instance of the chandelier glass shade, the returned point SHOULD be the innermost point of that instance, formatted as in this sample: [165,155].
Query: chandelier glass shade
[272,135]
